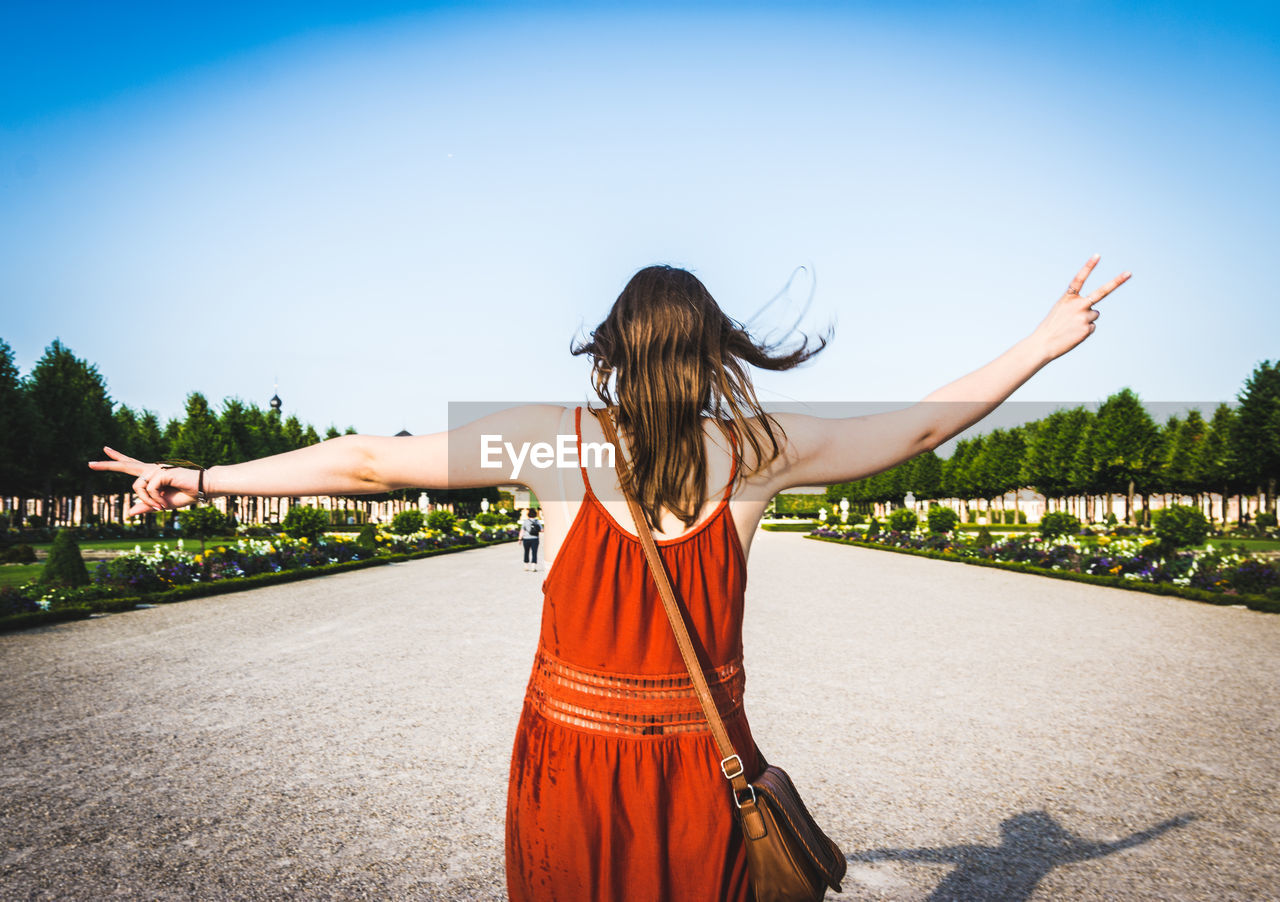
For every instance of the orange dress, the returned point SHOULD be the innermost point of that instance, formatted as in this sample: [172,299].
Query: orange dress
[615,790]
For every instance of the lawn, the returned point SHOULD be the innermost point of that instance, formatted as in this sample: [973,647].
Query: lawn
[17,574]
[189,544]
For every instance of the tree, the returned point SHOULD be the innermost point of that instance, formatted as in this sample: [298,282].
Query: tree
[200,437]
[64,566]
[202,523]
[239,438]
[73,421]
[1002,458]
[1051,451]
[958,476]
[17,425]
[1216,456]
[926,475]
[1182,473]
[294,436]
[1122,447]
[1258,430]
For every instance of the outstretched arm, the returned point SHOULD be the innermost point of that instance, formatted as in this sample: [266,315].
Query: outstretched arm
[346,465]
[825,451]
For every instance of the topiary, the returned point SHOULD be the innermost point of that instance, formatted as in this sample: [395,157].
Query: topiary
[65,566]
[873,526]
[1181,526]
[492,518]
[903,520]
[984,539]
[367,541]
[942,519]
[305,522]
[441,520]
[1058,523]
[1265,521]
[407,521]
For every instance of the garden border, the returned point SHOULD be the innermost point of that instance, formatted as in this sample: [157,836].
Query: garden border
[83,611]
[1254,602]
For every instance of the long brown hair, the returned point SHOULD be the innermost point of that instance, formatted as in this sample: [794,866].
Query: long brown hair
[674,357]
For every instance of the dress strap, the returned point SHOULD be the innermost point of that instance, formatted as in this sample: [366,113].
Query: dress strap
[577,428]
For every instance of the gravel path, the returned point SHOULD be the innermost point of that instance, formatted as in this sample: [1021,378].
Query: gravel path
[964,733]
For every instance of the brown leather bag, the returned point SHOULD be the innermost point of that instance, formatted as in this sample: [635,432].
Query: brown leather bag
[789,858]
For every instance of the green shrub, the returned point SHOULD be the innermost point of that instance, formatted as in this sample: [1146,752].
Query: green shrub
[35,521]
[903,520]
[1265,521]
[407,521]
[492,518]
[1274,593]
[1022,517]
[441,520]
[202,522]
[367,541]
[942,519]
[873,526]
[984,539]
[856,518]
[1111,519]
[1058,523]
[1181,526]
[304,522]
[65,566]
[18,554]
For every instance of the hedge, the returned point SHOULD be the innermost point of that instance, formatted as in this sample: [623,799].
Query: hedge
[1254,602]
[218,587]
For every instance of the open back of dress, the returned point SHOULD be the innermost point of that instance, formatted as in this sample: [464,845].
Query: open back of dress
[615,790]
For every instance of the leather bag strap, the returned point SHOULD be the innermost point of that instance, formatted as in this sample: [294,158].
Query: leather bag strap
[734,772]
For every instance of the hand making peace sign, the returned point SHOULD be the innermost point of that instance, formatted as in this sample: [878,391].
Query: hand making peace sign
[1073,318]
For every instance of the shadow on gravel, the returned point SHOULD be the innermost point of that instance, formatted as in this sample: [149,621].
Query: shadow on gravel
[1032,844]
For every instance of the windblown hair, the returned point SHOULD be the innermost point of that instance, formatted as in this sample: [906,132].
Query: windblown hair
[674,357]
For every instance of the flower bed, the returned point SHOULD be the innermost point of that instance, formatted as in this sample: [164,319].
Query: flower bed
[164,574]
[1225,572]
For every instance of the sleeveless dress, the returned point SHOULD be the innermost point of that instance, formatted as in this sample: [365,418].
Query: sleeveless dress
[615,790]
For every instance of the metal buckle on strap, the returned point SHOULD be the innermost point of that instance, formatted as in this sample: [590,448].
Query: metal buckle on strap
[737,800]
[725,770]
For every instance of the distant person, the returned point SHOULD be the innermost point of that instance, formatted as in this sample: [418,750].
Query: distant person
[615,791]
[530,530]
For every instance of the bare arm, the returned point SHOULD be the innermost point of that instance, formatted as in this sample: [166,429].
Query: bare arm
[825,451]
[349,464]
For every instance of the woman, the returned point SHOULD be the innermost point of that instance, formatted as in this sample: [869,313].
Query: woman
[615,790]
[530,531]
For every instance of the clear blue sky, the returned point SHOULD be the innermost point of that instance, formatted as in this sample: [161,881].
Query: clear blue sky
[389,207]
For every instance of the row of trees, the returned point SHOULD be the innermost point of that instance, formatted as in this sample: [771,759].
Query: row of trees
[1074,455]
[60,415]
